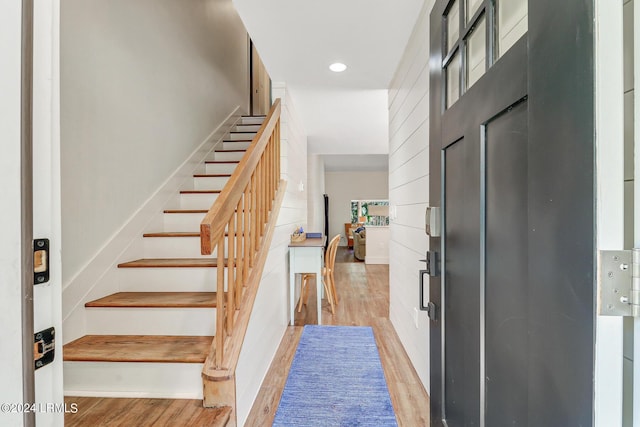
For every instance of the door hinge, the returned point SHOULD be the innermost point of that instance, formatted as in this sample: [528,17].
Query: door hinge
[44,346]
[619,283]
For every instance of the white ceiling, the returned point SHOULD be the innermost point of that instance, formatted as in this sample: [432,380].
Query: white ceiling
[343,113]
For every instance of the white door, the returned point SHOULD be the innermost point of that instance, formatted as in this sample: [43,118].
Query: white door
[26,396]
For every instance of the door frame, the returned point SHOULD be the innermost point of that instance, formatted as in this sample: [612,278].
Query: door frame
[30,175]
[609,114]
[15,166]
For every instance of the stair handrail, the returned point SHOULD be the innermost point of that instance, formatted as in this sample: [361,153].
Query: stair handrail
[241,211]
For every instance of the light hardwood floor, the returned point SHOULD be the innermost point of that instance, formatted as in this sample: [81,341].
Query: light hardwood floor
[363,294]
[95,411]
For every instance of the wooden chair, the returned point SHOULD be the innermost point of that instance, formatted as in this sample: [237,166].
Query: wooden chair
[328,279]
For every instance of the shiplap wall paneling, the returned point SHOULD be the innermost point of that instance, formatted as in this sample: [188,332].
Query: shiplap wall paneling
[409,192]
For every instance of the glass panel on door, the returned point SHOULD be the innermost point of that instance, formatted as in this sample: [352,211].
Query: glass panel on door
[472,8]
[453,80]
[512,23]
[453,25]
[476,52]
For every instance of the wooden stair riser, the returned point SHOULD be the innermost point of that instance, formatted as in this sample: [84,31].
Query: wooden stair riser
[130,379]
[150,321]
[247,128]
[241,136]
[252,120]
[210,182]
[171,247]
[228,155]
[168,279]
[213,168]
[235,145]
[197,201]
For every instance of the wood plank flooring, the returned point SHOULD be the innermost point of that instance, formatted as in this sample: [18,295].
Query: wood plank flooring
[94,412]
[363,292]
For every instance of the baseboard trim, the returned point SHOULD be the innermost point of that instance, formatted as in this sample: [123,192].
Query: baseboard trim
[376,260]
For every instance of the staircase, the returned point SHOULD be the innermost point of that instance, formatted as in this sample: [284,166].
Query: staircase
[152,337]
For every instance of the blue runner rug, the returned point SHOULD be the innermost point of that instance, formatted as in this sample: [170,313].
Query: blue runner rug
[336,379]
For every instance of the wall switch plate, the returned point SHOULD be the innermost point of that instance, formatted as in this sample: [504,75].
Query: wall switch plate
[415,316]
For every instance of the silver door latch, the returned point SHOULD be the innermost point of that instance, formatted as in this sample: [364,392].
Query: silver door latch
[619,283]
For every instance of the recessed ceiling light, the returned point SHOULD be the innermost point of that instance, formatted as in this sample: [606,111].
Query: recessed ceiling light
[337,67]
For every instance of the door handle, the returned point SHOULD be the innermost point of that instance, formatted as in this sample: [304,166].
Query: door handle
[430,308]
[422,273]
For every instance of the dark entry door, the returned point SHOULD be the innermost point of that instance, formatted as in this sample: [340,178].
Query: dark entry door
[511,163]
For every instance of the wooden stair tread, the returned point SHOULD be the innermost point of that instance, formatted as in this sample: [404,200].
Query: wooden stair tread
[157,300]
[138,348]
[229,151]
[173,234]
[221,161]
[200,191]
[185,211]
[211,175]
[170,263]
[118,411]
[178,234]
[238,140]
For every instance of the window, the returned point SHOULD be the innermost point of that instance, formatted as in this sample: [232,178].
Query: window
[476,34]
[370,212]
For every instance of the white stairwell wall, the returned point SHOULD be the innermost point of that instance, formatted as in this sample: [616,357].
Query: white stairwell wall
[269,317]
[409,192]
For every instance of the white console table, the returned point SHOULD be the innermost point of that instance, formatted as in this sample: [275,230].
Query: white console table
[306,257]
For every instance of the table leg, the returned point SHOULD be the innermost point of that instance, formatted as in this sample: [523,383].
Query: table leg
[319,294]
[292,288]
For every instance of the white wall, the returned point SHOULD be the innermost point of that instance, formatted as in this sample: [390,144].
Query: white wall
[316,190]
[377,245]
[409,191]
[343,187]
[10,214]
[143,84]
[270,313]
